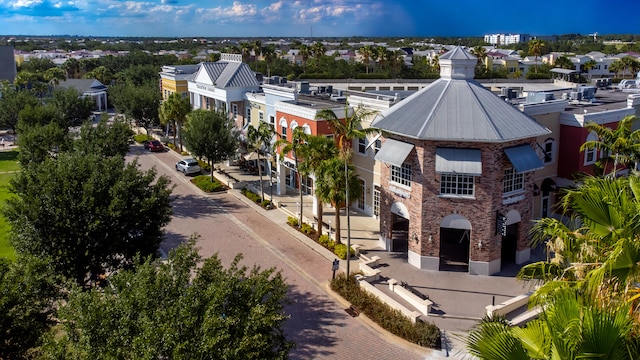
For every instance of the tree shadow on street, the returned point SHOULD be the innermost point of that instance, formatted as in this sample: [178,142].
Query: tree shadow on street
[194,206]
[312,323]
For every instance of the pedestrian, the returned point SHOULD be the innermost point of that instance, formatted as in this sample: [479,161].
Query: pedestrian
[2,141]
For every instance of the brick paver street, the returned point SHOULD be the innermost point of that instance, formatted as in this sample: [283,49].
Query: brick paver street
[228,226]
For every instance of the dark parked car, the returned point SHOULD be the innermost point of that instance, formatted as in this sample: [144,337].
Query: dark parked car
[153,145]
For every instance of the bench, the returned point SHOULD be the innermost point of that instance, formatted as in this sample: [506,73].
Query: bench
[414,316]
[423,305]
[367,269]
[505,307]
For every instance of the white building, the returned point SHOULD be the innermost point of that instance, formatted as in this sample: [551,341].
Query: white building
[506,39]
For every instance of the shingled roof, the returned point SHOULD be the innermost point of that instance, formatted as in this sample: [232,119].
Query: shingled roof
[457,108]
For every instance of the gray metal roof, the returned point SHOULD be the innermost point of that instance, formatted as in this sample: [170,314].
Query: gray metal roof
[394,152]
[458,109]
[84,86]
[228,74]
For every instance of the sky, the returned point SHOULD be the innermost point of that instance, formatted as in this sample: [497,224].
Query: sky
[315,18]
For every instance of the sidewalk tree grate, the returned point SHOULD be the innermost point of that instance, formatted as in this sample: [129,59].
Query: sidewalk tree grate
[353,311]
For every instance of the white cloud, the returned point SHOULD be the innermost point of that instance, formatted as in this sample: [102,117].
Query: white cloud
[26,3]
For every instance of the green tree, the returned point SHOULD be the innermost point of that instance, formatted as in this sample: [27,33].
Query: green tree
[181,308]
[88,213]
[175,110]
[28,292]
[316,150]
[75,109]
[100,73]
[54,75]
[622,143]
[140,103]
[210,135]
[366,52]
[570,327]
[260,140]
[330,187]
[105,139]
[39,142]
[536,47]
[298,138]
[564,62]
[345,131]
[11,103]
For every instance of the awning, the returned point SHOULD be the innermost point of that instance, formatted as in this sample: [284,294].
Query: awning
[523,158]
[459,161]
[251,156]
[394,152]
[563,71]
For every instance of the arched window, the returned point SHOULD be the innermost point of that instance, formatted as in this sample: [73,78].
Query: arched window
[283,127]
[294,124]
[307,129]
[549,149]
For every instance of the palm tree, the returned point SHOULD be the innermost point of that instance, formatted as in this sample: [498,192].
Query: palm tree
[305,52]
[330,188]
[480,52]
[298,138]
[245,49]
[260,138]
[366,52]
[318,50]
[269,54]
[623,143]
[316,150]
[536,47]
[257,49]
[588,66]
[570,327]
[175,109]
[564,62]
[345,131]
[54,76]
[381,55]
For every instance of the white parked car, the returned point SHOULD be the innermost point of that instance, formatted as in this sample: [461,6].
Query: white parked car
[188,166]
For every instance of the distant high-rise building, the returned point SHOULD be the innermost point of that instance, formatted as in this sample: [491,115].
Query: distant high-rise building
[7,64]
[506,39]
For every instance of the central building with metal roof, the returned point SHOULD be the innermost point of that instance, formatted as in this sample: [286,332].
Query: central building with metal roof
[456,180]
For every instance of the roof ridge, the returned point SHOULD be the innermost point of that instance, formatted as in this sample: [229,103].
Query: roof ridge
[485,113]
[438,104]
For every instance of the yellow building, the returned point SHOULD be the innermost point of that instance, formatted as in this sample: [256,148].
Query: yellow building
[173,79]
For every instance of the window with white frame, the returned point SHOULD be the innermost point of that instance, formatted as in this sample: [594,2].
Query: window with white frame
[377,146]
[234,110]
[361,198]
[261,116]
[457,184]
[272,119]
[549,151]
[248,116]
[590,154]
[512,182]
[401,174]
[362,145]
[283,128]
[376,200]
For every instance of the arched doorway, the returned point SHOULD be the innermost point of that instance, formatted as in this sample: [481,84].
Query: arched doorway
[400,228]
[455,232]
[510,240]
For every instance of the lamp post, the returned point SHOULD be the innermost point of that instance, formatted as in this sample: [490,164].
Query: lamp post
[346,183]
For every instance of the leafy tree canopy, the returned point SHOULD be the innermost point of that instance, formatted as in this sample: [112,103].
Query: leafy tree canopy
[182,308]
[89,213]
[210,135]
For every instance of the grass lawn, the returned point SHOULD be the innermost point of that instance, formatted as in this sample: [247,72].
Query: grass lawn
[8,162]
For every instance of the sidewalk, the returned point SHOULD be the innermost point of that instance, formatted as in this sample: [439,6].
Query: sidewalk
[459,298]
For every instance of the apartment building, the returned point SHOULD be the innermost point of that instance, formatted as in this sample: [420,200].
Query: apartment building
[506,39]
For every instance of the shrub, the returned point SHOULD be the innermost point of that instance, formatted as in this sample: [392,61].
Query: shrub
[204,165]
[140,138]
[171,146]
[251,195]
[341,251]
[307,229]
[205,184]
[267,204]
[324,240]
[421,333]
[292,220]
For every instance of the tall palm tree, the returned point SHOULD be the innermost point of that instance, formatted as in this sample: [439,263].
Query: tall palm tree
[245,49]
[586,67]
[298,138]
[381,55]
[366,52]
[331,188]
[318,51]
[480,52]
[260,138]
[316,150]
[564,62]
[305,52]
[269,54]
[175,110]
[623,143]
[345,130]
[536,47]
[257,49]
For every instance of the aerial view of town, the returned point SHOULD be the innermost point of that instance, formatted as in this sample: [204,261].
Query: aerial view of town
[318,180]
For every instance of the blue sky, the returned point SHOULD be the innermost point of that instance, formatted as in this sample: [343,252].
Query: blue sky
[321,18]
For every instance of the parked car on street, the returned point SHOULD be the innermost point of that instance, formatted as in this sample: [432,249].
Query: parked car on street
[153,145]
[188,166]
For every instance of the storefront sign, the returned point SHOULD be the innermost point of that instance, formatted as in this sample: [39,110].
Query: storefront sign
[403,194]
